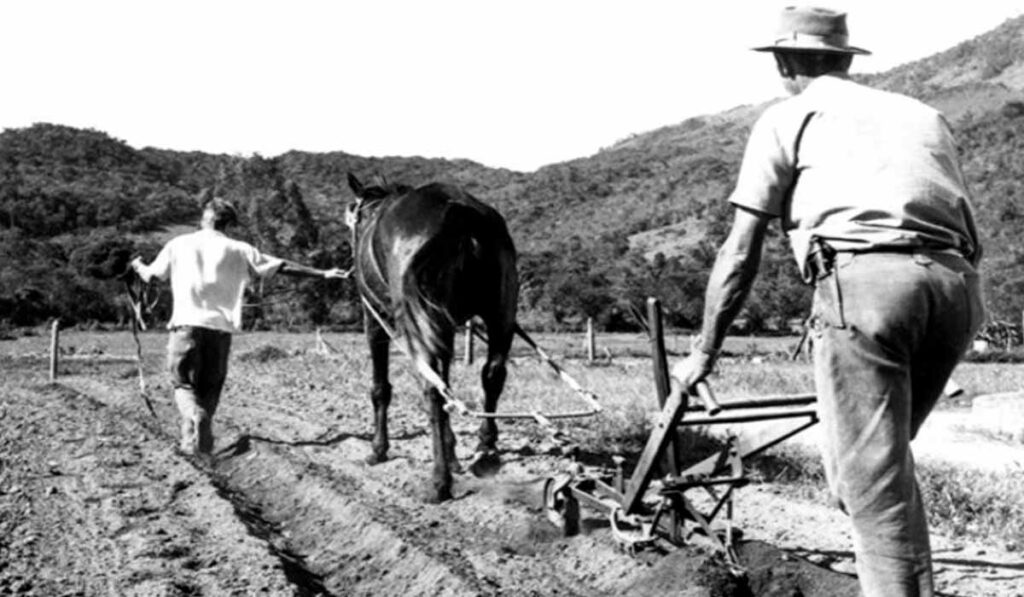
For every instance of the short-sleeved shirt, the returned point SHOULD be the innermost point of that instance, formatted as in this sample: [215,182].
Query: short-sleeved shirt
[208,273]
[860,168]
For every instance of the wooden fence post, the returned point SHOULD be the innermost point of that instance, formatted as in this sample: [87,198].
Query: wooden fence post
[591,343]
[468,357]
[54,348]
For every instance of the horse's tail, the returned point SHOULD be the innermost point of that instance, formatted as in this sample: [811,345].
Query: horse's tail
[433,280]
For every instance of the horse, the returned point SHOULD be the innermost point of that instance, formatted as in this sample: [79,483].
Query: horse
[426,260]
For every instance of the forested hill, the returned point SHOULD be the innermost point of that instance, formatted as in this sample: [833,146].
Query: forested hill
[597,234]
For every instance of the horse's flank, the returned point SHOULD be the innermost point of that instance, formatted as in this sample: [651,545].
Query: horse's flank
[441,256]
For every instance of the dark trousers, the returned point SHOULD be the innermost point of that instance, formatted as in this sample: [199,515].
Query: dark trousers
[197,359]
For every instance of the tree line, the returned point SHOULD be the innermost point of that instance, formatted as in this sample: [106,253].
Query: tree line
[64,189]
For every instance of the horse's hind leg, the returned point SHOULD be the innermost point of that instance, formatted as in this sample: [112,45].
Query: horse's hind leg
[448,438]
[492,377]
[380,393]
[445,461]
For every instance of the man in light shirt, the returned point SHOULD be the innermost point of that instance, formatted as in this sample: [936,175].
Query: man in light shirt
[868,187]
[209,272]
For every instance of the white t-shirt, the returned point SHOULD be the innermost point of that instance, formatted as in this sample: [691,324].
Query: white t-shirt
[208,273]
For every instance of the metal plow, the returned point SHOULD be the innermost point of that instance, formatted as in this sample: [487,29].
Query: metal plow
[663,499]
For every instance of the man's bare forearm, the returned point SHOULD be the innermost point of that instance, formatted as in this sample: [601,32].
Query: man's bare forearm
[290,268]
[732,276]
[731,279]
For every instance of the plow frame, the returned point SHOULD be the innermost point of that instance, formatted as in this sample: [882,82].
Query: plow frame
[654,501]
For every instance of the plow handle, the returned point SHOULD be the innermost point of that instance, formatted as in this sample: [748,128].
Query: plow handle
[706,396]
[701,390]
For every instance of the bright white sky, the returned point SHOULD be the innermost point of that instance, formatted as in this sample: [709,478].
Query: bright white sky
[509,83]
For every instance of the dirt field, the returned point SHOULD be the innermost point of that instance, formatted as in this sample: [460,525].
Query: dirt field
[95,501]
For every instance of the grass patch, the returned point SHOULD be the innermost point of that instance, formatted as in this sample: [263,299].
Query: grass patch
[263,354]
[622,432]
[797,469]
[979,505]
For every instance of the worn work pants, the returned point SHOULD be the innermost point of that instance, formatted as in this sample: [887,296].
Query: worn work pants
[888,330]
[197,359]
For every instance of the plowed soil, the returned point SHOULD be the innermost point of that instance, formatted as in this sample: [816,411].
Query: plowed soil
[95,500]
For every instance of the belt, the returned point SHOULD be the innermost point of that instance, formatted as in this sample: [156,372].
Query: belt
[822,258]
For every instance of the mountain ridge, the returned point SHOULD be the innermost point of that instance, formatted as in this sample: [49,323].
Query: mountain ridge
[642,215]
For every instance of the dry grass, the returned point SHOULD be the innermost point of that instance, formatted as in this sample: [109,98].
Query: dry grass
[972,504]
[977,504]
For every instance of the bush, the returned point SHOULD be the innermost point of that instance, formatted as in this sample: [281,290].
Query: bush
[104,257]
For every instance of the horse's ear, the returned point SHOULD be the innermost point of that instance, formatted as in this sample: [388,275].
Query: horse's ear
[381,181]
[355,185]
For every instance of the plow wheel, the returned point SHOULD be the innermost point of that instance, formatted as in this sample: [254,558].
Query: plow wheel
[561,507]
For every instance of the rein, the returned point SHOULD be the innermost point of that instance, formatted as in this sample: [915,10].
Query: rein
[138,303]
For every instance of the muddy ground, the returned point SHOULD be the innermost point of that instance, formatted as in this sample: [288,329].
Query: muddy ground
[94,500]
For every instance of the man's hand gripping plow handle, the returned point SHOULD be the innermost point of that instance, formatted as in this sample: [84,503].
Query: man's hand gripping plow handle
[690,375]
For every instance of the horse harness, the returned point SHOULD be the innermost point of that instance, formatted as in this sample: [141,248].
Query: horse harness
[353,219]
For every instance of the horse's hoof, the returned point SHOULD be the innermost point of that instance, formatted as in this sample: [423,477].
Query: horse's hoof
[438,495]
[373,459]
[485,464]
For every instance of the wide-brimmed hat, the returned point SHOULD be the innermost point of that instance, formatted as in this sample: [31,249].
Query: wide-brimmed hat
[810,29]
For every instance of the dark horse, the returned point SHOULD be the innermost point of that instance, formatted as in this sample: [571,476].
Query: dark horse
[427,260]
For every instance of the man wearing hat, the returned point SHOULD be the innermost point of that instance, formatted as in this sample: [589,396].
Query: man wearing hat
[209,273]
[868,187]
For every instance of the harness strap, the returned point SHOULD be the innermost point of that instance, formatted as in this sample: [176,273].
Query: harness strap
[366,293]
[368,298]
[589,396]
[432,377]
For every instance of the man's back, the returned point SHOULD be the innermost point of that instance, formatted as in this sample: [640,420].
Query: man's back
[209,272]
[861,168]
